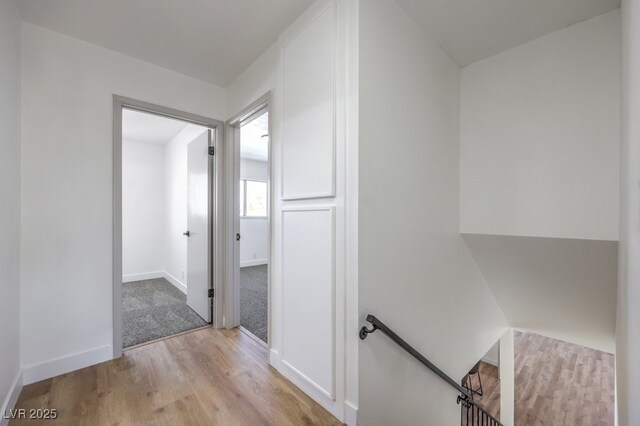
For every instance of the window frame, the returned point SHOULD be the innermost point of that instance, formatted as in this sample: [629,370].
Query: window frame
[243,194]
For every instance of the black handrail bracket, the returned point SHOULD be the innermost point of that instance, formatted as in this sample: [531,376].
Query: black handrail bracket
[364,331]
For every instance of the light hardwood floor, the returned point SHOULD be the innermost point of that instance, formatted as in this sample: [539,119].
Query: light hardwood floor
[556,383]
[490,399]
[559,383]
[206,377]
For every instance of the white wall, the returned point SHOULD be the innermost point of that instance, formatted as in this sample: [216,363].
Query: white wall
[540,130]
[143,209]
[420,280]
[557,287]
[254,245]
[10,381]
[507,378]
[67,89]
[628,321]
[493,355]
[260,78]
[176,194]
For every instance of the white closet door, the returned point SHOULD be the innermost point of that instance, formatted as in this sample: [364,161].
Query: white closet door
[198,282]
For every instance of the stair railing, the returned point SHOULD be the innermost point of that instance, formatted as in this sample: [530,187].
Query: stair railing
[472,414]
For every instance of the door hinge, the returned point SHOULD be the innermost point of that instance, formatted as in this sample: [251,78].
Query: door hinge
[210,292]
[212,150]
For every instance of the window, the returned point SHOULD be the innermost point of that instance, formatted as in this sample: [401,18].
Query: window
[253,198]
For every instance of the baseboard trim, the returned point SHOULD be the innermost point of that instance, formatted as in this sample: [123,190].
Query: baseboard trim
[253,262]
[491,361]
[350,413]
[143,276]
[11,399]
[152,275]
[274,359]
[310,387]
[176,282]
[67,364]
[306,385]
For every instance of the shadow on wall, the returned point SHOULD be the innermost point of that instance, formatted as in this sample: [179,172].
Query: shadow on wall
[564,288]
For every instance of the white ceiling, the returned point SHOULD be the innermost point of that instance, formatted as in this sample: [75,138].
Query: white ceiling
[211,40]
[150,128]
[470,30]
[215,40]
[254,145]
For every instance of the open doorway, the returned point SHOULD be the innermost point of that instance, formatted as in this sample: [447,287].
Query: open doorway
[254,226]
[165,193]
[251,137]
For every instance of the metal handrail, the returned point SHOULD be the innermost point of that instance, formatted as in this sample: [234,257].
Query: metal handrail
[465,396]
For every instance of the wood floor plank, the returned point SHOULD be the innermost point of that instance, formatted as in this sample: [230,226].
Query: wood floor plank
[556,383]
[559,383]
[209,376]
[490,399]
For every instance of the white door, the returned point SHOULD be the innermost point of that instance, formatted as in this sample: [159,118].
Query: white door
[198,265]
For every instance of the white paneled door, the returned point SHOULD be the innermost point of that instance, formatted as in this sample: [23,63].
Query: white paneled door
[308,287]
[310,199]
[198,265]
[308,109]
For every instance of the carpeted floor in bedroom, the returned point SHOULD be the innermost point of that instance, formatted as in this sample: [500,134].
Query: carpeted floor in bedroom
[153,309]
[253,300]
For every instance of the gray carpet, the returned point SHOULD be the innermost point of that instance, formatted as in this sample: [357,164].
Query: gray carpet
[253,300]
[153,309]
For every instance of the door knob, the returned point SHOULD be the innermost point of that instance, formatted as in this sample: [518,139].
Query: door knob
[186,233]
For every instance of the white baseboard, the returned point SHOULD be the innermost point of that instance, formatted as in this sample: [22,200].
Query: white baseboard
[58,366]
[9,402]
[143,276]
[176,282]
[350,413]
[306,385]
[274,359]
[152,275]
[253,262]
[491,361]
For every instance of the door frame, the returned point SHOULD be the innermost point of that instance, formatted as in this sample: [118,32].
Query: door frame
[232,132]
[216,203]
